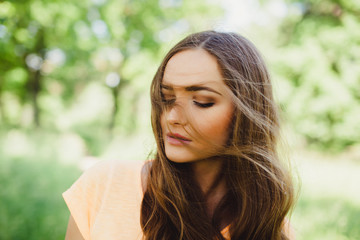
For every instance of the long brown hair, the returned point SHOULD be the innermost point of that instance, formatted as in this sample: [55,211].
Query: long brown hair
[259,187]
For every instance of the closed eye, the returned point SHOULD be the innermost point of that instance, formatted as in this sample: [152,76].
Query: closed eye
[203,105]
[168,101]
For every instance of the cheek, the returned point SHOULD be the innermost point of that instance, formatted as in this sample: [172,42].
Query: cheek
[162,122]
[218,126]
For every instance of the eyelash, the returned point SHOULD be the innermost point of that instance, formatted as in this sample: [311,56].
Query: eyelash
[203,105]
[169,102]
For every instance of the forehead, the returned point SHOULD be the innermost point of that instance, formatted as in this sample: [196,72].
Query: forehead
[192,67]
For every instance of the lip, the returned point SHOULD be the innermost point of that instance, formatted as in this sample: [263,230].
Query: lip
[177,139]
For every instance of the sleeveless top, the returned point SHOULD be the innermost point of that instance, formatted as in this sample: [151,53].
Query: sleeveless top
[105,201]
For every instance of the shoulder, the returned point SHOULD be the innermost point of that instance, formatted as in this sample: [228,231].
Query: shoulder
[102,192]
[107,169]
[102,176]
[107,166]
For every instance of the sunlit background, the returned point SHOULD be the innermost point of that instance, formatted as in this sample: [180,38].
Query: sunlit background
[74,90]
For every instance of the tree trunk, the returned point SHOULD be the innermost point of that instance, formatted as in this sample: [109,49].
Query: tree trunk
[35,79]
[3,118]
[115,110]
[35,87]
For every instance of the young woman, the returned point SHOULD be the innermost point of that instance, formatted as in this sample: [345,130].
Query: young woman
[216,173]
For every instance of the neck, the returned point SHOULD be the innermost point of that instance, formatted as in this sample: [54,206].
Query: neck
[207,175]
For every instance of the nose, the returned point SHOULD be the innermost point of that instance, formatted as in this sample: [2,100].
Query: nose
[175,115]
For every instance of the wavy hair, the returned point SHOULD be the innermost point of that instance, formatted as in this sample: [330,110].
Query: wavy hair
[260,190]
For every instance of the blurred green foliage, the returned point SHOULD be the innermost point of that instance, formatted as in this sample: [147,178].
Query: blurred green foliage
[71,65]
[317,62]
[328,206]
[327,218]
[32,179]
[30,202]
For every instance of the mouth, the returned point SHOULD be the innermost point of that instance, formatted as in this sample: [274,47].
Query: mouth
[176,139]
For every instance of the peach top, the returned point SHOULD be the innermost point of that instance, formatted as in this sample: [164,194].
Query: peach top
[105,201]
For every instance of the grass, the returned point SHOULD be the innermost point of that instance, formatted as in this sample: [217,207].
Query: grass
[34,171]
[32,180]
[31,206]
[329,202]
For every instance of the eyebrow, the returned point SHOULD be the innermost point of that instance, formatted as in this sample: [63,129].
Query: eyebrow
[192,88]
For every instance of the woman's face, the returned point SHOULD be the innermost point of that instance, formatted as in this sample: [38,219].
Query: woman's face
[198,110]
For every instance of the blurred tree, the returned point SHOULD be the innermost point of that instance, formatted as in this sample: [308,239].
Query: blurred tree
[318,62]
[30,30]
[51,50]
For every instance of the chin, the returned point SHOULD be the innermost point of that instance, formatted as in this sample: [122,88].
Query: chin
[181,157]
[178,159]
